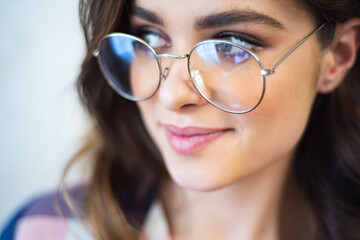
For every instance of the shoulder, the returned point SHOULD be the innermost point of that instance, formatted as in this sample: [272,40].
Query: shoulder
[46,217]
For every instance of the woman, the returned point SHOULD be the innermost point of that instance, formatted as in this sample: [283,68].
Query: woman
[253,134]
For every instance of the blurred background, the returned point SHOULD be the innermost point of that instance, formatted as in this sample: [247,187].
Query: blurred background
[41,121]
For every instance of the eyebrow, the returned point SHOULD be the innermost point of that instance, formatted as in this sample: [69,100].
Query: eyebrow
[235,17]
[148,15]
[216,19]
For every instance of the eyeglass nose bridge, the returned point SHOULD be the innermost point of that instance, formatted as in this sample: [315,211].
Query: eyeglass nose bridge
[165,74]
[166,55]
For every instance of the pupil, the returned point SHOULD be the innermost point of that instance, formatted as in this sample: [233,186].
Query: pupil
[225,48]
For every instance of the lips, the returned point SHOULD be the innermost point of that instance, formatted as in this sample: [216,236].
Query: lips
[190,140]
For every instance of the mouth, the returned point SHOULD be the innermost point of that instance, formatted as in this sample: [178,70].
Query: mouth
[190,140]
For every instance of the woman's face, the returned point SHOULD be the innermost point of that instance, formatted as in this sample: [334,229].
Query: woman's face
[203,147]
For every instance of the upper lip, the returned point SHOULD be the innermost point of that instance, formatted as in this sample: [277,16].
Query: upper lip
[192,130]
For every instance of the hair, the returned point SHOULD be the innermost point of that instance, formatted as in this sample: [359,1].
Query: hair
[326,165]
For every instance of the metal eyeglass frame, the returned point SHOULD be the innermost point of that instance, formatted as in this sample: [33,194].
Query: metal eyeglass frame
[264,72]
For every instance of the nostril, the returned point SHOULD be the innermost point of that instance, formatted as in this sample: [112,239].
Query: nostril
[188,106]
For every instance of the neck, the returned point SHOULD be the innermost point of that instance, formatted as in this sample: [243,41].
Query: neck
[256,207]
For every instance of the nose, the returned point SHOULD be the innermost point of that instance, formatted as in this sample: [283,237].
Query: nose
[177,91]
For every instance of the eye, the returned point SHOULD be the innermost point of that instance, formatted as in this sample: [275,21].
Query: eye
[155,40]
[241,42]
[237,53]
[231,54]
[245,40]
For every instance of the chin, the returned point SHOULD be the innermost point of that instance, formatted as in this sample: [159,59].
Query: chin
[199,187]
[201,181]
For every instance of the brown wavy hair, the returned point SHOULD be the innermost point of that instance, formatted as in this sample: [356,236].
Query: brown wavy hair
[327,164]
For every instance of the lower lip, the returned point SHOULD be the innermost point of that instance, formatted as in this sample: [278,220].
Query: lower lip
[189,144]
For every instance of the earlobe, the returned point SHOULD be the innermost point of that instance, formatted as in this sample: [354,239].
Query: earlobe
[340,56]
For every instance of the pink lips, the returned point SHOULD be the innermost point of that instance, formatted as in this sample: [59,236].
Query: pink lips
[191,139]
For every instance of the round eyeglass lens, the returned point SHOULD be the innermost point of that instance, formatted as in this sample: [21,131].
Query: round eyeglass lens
[129,66]
[227,76]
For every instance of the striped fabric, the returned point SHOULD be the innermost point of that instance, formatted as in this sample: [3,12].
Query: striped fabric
[40,220]
[51,227]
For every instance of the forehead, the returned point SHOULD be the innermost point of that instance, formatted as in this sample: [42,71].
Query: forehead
[185,12]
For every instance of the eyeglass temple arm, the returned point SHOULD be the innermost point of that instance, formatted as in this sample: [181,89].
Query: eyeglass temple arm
[270,71]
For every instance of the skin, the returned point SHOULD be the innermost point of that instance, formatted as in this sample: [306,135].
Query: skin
[238,186]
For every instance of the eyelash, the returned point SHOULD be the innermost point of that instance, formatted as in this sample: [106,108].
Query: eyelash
[236,37]
[244,39]
[144,32]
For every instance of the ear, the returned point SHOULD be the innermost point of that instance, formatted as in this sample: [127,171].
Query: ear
[340,56]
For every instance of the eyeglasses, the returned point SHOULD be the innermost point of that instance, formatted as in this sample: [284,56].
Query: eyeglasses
[227,75]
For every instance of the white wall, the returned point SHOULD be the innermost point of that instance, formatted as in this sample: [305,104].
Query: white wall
[41,121]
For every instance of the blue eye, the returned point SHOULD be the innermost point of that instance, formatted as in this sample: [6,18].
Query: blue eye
[232,54]
[244,40]
[156,41]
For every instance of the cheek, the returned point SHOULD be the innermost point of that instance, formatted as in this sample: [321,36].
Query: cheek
[287,104]
[148,114]
[144,77]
